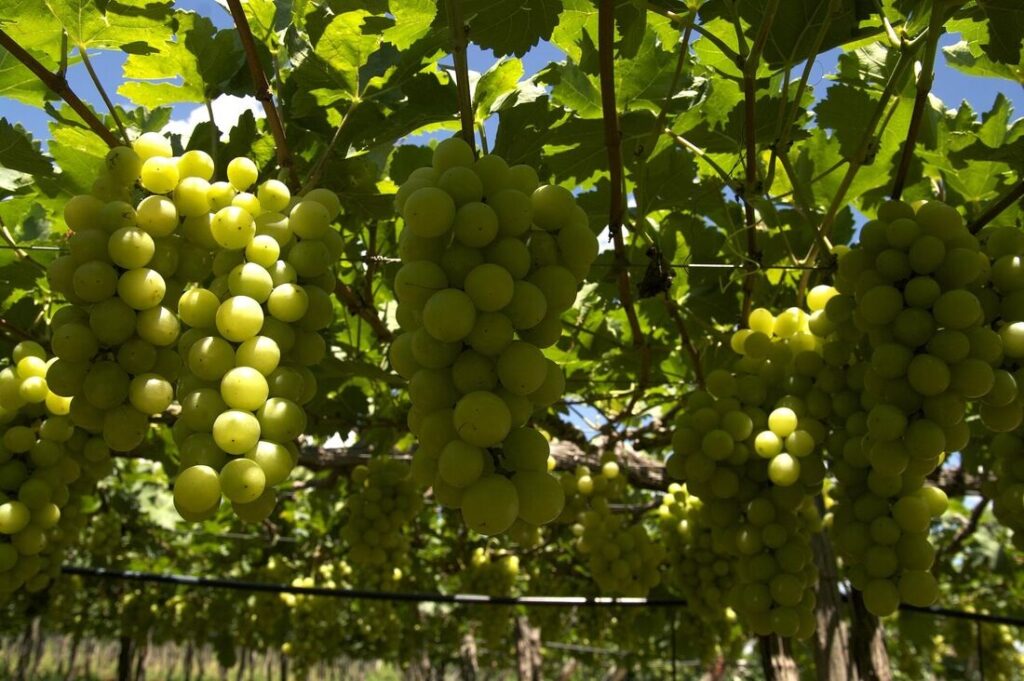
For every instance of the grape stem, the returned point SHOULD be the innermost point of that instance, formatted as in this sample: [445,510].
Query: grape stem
[684,336]
[358,306]
[59,85]
[84,53]
[924,87]
[459,44]
[263,93]
[964,532]
[5,234]
[1011,197]
[752,177]
[12,330]
[613,142]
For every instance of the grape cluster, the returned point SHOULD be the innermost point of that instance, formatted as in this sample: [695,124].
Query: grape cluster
[384,502]
[623,558]
[493,574]
[46,465]
[115,342]
[916,288]
[252,313]
[491,260]
[750,449]
[698,568]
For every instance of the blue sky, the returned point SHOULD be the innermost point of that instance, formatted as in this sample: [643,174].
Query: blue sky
[950,85]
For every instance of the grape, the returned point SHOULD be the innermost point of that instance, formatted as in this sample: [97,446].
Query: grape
[482,419]
[242,173]
[476,225]
[244,388]
[157,216]
[150,393]
[449,315]
[460,464]
[490,505]
[232,227]
[239,318]
[521,368]
[429,212]
[451,153]
[236,432]
[527,307]
[197,489]
[242,481]
[141,288]
[540,495]
[281,420]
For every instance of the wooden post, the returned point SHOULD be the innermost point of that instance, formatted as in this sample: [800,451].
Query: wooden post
[832,659]
[776,661]
[869,653]
[528,658]
[124,659]
[467,655]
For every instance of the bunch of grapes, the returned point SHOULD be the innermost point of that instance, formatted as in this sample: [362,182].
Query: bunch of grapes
[491,260]
[623,558]
[916,290]
[750,448]
[700,570]
[493,574]
[46,465]
[115,342]
[385,500]
[252,319]
[315,621]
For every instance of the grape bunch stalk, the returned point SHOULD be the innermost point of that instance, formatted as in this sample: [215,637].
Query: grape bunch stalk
[490,261]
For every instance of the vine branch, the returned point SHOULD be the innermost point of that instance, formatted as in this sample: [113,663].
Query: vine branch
[263,93]
[5,234]
[684,336]
[358,306]
[964,532]
[103,93]
[1011,197]
[924,86]
[459,44]
[613,142]
[58,84]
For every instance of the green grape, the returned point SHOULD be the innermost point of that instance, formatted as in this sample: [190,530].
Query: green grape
[471,372]
[309,258]
[558,286]
[106,385]
[476,225]
[123,164]
[260,353]
[197,307]
[236,432]
[309,219]
[482,419]
[210,358]
[200,449]
[449,315]
[552,207]
[514,210]
[462,184]
[281,420]
[232,228]
[490,505]
[274,459]
[124,428]
[195,163]
[242,481]
[158,326]
[239,318]
[112,322]
[288,302]
[242,173]
[429,212]
[191,197]
[461,464]
[490,287]
[525,449]
[527,307]
[511,254]
[94,281]
[141,288]
[274,195]
[263,250]
[150,394]
[197,489]
[200,408]
[252,280]
[541,498]
[452,152]
[401,356]
[244,388]
[521,368]
[159,174]
[157,216]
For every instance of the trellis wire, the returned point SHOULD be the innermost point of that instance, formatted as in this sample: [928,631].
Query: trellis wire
[459,599]
[387,260]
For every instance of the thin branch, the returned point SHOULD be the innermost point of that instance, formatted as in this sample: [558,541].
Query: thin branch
[690,20]
[862,153]
[924,86]
[687,341]
[789,120]
[1011,197]
[814,180]
[358,306]
[5,234]
[964,532]
[214,132]
[702,155]
[59,85]
[321,163]
[752,179]
[613,141]
[62,70]
[459,44]
[84,53]
[263,93]
[13,330]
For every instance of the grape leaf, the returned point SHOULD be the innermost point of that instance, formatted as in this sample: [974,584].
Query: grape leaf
[19,152]
[495,84]
[412,21]
[510,28]
[113,24]
[1005,29]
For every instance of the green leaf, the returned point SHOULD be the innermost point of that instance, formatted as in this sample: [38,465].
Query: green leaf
[573,89]
[412,21]
[495,84]
[578,18]
[79,153]
[1005,28]
[970,56]
[113,24]
[510,28]
[18,151]
[197,59]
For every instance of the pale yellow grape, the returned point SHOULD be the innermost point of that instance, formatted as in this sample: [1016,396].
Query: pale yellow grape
[242,173]
[782,421]
[141,288]
[482,419]
[242,480]
[288,302]
[150,144]
[197,307]
[281,420]
[233,227]
[260,353]
[461,464]
[275,460]
[221,195]
[197,489]
[239,318]
[159,174]
[247,202]
[252,280]
[784,470]
[157,216]
[191,197]
[429,212]
[236,432]
[282,273]
[130,248]
[33,390]
[309,219]
[157,326]
[490,505]
[244,388]
[123,164]
[150,394]
[196,163]
[263,250]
